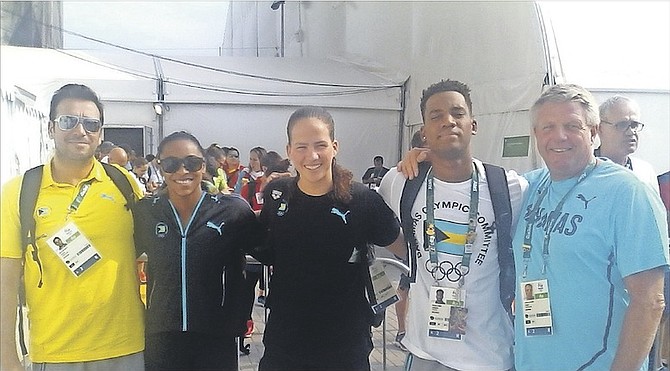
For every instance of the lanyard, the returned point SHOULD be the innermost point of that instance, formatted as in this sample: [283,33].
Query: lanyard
[472,221]
[83,190]
[552,217]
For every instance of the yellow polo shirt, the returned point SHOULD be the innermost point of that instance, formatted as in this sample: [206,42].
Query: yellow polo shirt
[97,315]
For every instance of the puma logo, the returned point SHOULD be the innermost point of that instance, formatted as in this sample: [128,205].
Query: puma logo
[216,227]
[106,197]
[340,214]
[586,202]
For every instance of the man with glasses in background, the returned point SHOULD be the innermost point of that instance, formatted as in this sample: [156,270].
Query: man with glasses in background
[83,300]
[618,132]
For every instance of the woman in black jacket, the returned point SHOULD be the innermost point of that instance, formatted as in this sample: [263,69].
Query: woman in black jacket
[195,243]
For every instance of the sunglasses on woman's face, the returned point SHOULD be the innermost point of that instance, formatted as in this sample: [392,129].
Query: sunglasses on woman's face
[190,163]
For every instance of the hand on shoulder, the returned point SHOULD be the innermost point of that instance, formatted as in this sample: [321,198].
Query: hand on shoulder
[409,165]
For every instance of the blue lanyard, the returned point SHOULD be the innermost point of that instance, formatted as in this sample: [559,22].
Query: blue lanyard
[527,246]
[472,221]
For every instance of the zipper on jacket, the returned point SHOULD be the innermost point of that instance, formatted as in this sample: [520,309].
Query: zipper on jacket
[184,233]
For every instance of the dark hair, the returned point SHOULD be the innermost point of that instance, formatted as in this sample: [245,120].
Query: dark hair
[442,86]
[216,152]
[380,158]
[342,177]
[179,135]
[259,151]
[230,149]
[78,92]
[274,163]
[417,140]
[211,166]
[139,161]
[149,157]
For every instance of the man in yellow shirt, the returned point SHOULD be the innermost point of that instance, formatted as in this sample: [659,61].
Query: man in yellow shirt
[83,299]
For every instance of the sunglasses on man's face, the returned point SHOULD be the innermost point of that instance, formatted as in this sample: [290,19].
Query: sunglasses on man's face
[172,164]
[634,126]
[69,122]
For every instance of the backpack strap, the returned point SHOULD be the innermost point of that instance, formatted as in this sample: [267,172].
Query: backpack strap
[409,193]
[502,210]
[30,187]
[122,183]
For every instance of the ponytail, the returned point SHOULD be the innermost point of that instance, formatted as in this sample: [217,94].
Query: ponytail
[342,179]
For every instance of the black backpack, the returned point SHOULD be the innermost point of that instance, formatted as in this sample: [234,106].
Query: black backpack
[30,186]
[502,210]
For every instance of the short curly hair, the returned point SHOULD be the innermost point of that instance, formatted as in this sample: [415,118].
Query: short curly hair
[442,86]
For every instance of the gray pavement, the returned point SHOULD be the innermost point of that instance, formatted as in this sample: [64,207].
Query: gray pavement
[395,357]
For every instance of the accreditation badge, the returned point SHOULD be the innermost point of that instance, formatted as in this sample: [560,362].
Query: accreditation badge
[385,294]
[74,249]
[536,309]
[447,315]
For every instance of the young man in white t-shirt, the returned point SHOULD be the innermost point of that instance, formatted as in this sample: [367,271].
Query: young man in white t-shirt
[469,329]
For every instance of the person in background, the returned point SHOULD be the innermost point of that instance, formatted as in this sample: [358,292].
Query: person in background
[140,170]
[93,320]
[273,166]
[131,154]
[118,156]
[373,175]
[319,224]
[593,241]
[102,151]
[155,180]
[619,137]
[233,167]
[253,171]
[219,178]
[195,244]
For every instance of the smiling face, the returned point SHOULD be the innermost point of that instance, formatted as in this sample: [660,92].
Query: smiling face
[75,145]
[448,125]
[182,184]
[563,138]
[233,159]
[254,161]
[311,151]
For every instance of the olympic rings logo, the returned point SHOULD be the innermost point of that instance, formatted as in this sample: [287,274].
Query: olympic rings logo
[446,269]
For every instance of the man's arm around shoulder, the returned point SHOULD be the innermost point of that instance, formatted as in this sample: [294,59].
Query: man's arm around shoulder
[10,272]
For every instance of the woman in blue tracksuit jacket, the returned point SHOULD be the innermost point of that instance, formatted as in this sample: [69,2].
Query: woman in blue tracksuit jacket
[195,243]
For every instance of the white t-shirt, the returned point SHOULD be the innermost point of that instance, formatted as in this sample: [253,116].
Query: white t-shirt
[487,343]
[645,172]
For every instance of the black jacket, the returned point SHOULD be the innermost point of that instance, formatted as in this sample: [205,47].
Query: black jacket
[194,272]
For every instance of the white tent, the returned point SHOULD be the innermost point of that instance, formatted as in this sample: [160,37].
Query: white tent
[240,102]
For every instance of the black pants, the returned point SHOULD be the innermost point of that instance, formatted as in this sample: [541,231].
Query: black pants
[189,351]
[282,360]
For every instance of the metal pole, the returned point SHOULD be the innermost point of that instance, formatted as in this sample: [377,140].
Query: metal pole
[282,29]
[404,269]
[384,342]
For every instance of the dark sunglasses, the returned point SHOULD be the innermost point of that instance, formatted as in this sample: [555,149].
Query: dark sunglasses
[69,122]
[172,164]
[634,126]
